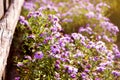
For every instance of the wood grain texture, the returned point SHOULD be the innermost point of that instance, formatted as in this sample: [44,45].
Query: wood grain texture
[1,8]
[7,28]
[6,5]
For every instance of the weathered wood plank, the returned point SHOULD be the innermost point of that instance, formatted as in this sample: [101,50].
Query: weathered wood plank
[7,28]
[6,4]
[1,8]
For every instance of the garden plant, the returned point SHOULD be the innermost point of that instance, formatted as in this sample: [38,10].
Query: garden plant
[67,40]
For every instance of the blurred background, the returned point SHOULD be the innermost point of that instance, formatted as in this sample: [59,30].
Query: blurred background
[115,15]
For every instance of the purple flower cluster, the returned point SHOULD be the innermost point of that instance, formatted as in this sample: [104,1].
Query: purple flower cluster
[87,53]
[110,27]
[38,55]
[29,5]
[34,14]
[23,21]
[71,70]
[116,73]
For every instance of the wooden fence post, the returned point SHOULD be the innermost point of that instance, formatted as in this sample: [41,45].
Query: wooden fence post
[1,8]
[8,22]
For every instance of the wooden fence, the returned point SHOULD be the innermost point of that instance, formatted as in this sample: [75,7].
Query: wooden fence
[4,4]
[9,15]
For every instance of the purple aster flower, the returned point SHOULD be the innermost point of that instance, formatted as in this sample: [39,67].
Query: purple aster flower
[56,27]
[20,64]
[57,35]
[38,55]
[63,59]
[98,37]
[71,69]
[47,39]
[78,54]
[116,73]
[34,14]
[110,27]
[103,64]
[65,54]
[57,61]
[75,36]
[30,14]
[73,75]
[29,6]
[100,46]
[100,69]
[42,34]
[62,43]
[17,78]
[57,76]
[55,49]
[81,29]
[87,29]
[31,36]
[38,13]
[64,40]
[99,5]
[87,70]
[50,17]
[90,15]
[106,38]
[88,66]
[95,58]
[117,55]
[110,56]
[57,66]
[53,29]
[97,78]
[84,75]
[116,50]
[23,21]
[54,19]
[28,57]
[91,44]
[21,18]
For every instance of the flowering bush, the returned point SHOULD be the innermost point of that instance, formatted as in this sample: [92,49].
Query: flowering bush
[51,54]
